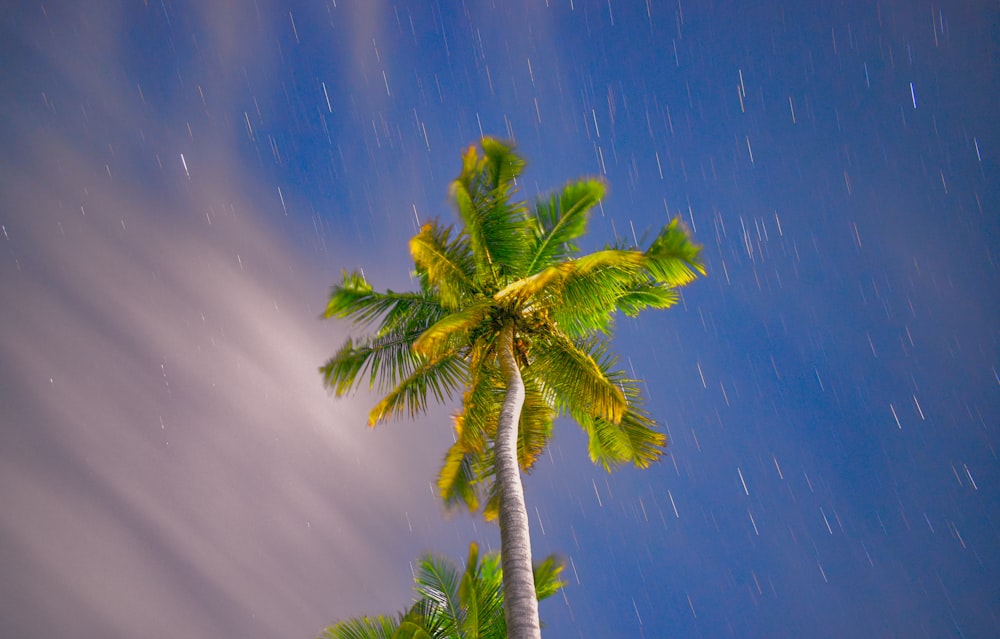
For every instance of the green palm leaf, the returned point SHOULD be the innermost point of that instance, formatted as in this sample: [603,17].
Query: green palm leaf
[560,219]
[672,258]
[455,327]
[633,440]
[496,227]
[547,577]
[438,582]
[464,477]
[575,374]
[645,295]
[591,287]
[386,361]
[446,263]
[355,299]
[450,604]
[379,627]
[441,377]
[535,425]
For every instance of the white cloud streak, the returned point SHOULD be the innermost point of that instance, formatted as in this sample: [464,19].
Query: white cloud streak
[169,463]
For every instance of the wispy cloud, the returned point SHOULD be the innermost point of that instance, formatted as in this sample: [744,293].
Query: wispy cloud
[170,464]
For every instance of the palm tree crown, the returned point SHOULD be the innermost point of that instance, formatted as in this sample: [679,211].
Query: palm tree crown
[451,604]
[516,268]
[509,313]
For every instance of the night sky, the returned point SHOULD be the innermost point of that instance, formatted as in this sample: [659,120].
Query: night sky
[181,182]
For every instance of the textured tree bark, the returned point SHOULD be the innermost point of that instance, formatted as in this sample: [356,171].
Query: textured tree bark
[520,602]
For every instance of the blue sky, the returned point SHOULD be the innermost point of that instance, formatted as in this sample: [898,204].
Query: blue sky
[181,184]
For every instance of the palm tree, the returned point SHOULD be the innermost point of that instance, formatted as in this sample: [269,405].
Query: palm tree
[509,314]
[451,605]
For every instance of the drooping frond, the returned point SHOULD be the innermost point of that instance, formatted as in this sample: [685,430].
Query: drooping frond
[441,377]
[633,440]
[547,577]
[443,334]
[380,627]
[476,422]
[672,258]
[560,219]
[445,262]
[576,375]
[386,357]
[643,295]
[535,426]
[590,289]
[496,226]
[469,461]
[386,360]
[458,480]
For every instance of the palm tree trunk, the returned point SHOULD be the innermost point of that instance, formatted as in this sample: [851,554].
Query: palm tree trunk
[520,602]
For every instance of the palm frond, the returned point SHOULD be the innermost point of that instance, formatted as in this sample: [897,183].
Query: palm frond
[576,375]
[535,425]
[491,509]
[643,295]
[442,377]
[417,628]
[672,258]
[588,293]
[446,263]
[355,299]
[559,219]
[380,627]
[503,164]
[487,579]
[438,337]
[384,360]
[468,594]
[496,226]
[633,440]
[458,480]
[523,289]
[476,422]
[438,581]
[547,577]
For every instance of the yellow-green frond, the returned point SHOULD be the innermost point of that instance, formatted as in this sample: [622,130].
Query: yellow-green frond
[560,218]
[348,296]
[576,374]
[672,258]
[476,422]
[495,224]
[522,290]
[547,577]
[445,262]
[384,360]
[441,377]
[456,479]
[491,510]
[465,477]
[380,627]
[535,425]
[633,440]
[355,299]
[503,165]
[591,287]
[646,295]
[439,337]
[409,630]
